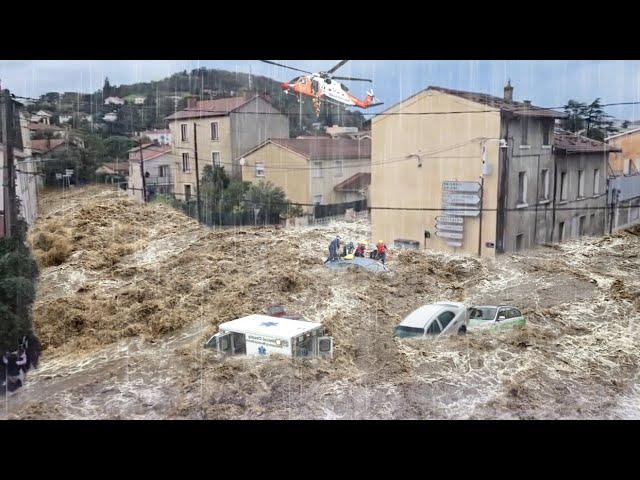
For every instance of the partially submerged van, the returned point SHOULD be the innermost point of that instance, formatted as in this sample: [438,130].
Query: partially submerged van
[266,335]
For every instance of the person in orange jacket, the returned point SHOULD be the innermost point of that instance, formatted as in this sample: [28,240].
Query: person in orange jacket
[380,253]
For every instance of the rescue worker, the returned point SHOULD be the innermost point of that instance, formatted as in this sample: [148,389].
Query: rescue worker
[347,249]
[380,253]
[334,246]
[360,250]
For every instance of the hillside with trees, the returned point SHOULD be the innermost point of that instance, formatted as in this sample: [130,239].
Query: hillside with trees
[163,97]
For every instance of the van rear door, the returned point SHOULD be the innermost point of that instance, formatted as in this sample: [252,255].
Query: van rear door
[324,347]
[221,342]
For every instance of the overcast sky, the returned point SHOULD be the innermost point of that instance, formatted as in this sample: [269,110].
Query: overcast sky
[545,83]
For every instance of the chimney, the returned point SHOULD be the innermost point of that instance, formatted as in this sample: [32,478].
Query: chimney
[508,92]
[192,101]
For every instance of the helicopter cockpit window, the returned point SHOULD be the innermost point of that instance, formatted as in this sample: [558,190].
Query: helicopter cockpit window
[303,81]
[344,88]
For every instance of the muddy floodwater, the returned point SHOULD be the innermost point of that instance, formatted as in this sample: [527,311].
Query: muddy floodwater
[123,314]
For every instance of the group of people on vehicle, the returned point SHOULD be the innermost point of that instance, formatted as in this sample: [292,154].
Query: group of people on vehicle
[14,365]
[349,250]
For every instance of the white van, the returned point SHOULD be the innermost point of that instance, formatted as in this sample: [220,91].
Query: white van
[266,335]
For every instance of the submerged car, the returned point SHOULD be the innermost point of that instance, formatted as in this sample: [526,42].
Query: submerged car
[359,262]
[495,317]
[434,320]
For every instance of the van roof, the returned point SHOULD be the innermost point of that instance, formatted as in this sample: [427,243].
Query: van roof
[266,325]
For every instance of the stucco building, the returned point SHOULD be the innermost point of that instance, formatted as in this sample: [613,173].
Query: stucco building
[426,143]
[312,170]
[626,161]
[226,129]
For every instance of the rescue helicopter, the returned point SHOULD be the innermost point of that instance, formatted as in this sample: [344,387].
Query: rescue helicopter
[323,87]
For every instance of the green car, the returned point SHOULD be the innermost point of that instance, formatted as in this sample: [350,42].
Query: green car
[494,317]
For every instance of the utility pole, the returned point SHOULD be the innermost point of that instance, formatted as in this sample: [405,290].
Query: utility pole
[8,177]
[195,154]
[144,181]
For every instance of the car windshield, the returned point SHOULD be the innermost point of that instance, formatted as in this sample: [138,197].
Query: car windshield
[404,332]
[482,313]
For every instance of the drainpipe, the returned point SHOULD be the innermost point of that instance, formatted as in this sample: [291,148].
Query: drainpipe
[555,186]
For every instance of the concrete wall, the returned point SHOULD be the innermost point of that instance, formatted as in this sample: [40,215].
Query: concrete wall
[248,131]
[630,145]
[205,148]
[331,177]
[595,221]
[532,158]
[283,167]
[452,142]
[151,166]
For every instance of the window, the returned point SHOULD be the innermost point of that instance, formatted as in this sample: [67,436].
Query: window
[525,131]
[404,332]
[563,186]
[338,167]
[596,181]
[317,169]
[504,313]
[544,184]
[214,131]
[434,328]
[445,318]
[183,132]
[215,158]
[260,170]
[580,183]
[519,241]
[546,130]
[522,188]
[581,225]
[317,199]
[592,223]
[185,162]
[163,171]
[561,231]
[187,193]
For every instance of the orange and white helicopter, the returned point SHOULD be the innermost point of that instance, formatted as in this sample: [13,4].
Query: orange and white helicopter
[322,86]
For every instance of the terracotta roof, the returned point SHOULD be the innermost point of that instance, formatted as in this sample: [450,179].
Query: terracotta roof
[136,148]
[516,108]
[321,148]
[574,143]
[116,166]
[42,146]
[354,183]
[42,126]
[210,108]
[625,132]
[151,153]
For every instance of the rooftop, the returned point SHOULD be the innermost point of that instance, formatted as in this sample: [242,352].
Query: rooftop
[42,126]
[513,107]
[325,148]
[44,146]
[210,108]
[354,183]
[623,133]
[150,153]
[573,143]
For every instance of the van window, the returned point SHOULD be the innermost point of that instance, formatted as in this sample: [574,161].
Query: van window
[445,318]
[434,328]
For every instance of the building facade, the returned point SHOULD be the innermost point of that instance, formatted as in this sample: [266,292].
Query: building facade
[626,161]
[496,145]
[159,166]
[226,129]
[316,170]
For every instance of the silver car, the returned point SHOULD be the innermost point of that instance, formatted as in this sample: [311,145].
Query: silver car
[434,320]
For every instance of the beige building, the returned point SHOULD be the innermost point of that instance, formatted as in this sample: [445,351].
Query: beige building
[160,168]
[316,170]
[441,135]
[627,161]
[225,129]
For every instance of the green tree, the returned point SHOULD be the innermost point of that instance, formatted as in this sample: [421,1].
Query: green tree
[266,200]
[117,147]
[590,119]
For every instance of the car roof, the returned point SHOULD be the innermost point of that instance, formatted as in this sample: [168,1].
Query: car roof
[423,315]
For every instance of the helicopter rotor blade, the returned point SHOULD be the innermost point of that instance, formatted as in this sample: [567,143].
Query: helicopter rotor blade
[341,63]
[353,78]
[285,66]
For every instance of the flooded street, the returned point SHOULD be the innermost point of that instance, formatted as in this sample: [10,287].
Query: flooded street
[124,317]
